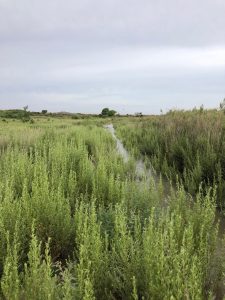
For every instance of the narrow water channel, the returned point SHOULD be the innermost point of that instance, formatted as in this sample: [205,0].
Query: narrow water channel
[140,168]
[120,148]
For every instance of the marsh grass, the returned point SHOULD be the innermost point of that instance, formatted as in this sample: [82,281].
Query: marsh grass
[74,223]
[188,145]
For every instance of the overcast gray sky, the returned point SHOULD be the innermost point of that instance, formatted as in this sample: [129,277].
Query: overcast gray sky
[129,55]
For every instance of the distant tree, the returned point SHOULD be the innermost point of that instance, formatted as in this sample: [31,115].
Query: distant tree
[44,111]
[111,113]
[26,114]
[105,111]
[25,108]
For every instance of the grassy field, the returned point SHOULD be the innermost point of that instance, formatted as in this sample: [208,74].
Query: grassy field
[75,223]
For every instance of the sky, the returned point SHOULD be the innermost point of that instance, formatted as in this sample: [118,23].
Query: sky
[128,55]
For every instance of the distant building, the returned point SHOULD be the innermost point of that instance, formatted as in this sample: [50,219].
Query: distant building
[138,114]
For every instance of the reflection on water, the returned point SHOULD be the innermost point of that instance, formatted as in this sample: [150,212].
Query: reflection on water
[141,170]
[120,148]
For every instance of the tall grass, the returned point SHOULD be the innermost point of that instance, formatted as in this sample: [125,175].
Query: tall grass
[189,145]
[75,224]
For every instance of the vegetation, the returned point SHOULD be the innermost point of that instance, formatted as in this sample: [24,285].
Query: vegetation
[75,223]
[106,112]
[21,114]
[188,145]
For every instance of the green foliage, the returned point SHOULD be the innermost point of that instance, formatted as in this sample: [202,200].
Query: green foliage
[10,283]
[106,112]
[188,144]
[12,114]
[111,113]
[76,224]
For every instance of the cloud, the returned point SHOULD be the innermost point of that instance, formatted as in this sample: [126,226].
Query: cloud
[174,22]
[128,54]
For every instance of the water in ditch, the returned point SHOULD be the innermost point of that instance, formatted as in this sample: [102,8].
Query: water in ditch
[141,171]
